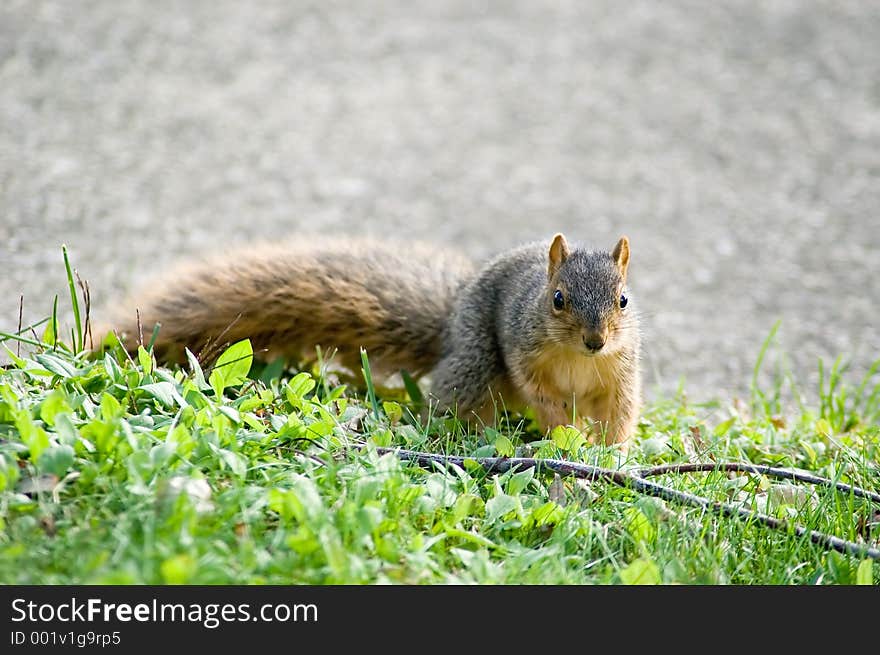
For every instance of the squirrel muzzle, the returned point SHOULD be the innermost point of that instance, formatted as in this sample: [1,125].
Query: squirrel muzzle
[594,340]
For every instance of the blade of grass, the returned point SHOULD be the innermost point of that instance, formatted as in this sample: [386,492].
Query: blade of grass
[756,392]
[323,363]
[74,302]
[154,336]
[4,336]
[17,335]
[55,323]
[412,388]
[20,310]
[368,378]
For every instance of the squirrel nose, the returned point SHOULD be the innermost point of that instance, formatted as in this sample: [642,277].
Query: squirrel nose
[594,341]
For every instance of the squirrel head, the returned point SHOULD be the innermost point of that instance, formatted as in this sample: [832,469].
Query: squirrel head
[586,301]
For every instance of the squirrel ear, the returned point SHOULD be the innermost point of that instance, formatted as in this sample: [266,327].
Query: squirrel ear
[621,255]
[558,254]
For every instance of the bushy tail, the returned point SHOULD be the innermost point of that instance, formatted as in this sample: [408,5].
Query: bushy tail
[392,299]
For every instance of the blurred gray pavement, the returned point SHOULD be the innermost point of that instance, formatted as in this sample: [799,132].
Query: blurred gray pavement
[736,143]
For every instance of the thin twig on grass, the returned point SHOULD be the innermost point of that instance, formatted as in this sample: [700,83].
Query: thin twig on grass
[635,479]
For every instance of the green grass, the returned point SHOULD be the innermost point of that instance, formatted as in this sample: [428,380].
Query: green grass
[116,470]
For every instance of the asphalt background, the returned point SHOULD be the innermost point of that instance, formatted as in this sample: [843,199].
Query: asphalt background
[736,143]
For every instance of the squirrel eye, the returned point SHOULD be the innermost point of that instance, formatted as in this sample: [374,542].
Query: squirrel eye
[623,301]
[558,300]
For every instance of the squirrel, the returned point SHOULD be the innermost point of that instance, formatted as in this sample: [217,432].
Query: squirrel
[552,328]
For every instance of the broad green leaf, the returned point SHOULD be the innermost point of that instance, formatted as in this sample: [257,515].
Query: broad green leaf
[567,438]
[298,387]
[381,438]
[865,573]
[56,460]
[178,569]
[467,505]
[55,403]
[18,361]
[32,435]
[236,463]
[302,502]
[519,481]
[722,428]
[439,488]
[499,506]
[392,410]
[547,514]
[412,437]
[49,336]
[182,441]
[309,496]
[56,365]
[164,392]
[303,541]
[145,360]
[110,407]
[504,446]
[103,434]
[110,342]
[8,471]
[232,367]
[112,367]
[196,370]
[639,525]
[231,413]
[8,404]
[642,571]
[286,504]
[840,568]
[486,450]
[334,551]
